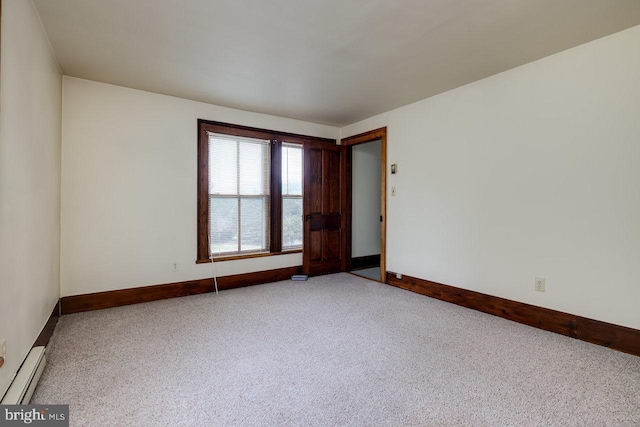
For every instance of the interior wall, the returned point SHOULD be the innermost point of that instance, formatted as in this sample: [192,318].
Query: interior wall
[129,162]
[530,173]
[366,199]
[30,118]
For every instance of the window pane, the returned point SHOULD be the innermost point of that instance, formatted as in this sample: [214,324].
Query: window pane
[292,170]
[238,167]
[291,222]
[253,224]
[223,166]
[223,226]
[254,169]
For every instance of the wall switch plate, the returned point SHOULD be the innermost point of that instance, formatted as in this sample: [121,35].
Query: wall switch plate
[539,284]
[393,191]
[175,267]
[394,169]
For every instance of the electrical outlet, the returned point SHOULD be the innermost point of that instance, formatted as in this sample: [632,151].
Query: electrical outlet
[175,267]
[398,276]
[539,284]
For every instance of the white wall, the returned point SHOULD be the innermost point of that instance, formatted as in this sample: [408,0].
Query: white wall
[30,109]
[366,199]
[129,162]
[532,172]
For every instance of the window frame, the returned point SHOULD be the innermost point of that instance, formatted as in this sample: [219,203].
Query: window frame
[238,196]
[203,254]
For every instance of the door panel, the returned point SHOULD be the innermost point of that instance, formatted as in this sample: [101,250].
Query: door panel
[323,249]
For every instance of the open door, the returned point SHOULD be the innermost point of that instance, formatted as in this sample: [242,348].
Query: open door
[324,220]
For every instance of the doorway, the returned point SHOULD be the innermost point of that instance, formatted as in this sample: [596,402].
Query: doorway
[366,204]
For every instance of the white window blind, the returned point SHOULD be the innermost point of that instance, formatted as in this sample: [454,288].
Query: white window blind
[291,196]
[239,171]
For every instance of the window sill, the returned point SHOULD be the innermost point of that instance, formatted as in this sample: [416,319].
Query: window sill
[247,256]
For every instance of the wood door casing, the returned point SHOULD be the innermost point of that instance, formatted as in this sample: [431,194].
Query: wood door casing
[324,238]
[362,138]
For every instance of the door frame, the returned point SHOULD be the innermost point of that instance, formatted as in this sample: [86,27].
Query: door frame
[362,138]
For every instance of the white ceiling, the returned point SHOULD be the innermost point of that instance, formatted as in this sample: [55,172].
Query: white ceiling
[326,61]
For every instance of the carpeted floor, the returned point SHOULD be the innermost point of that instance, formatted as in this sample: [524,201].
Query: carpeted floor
[336,350]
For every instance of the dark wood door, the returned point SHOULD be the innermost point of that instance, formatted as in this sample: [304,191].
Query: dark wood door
[324,220]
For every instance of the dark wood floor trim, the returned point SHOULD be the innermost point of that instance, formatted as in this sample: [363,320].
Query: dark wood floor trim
[99,300]
[47,331]
[606,334]
[368,261]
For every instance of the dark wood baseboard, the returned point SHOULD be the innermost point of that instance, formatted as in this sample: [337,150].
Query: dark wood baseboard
[47,331]
[368,261]
[100,300]
[605,334]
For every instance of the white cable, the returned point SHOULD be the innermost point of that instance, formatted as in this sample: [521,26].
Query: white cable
[215,279]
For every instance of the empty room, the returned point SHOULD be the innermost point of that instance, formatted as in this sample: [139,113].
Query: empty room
[323,213]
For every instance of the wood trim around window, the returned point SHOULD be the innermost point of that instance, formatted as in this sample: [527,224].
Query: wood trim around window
[276,138]
[276,197]
[203,194]
[222,258]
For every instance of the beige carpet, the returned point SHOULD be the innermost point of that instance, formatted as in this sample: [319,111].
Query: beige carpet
[334,351]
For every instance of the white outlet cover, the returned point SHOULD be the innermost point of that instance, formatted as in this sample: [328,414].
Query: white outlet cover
[539,284]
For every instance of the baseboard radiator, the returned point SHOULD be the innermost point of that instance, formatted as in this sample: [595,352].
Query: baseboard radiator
[25,382]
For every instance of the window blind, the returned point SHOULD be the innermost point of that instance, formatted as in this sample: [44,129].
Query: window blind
[239,171]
